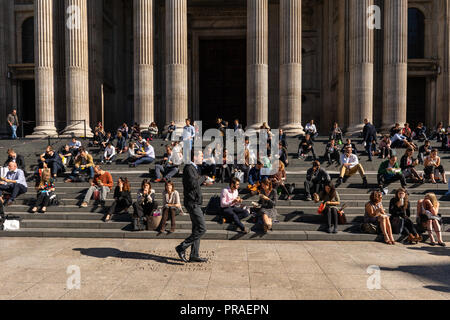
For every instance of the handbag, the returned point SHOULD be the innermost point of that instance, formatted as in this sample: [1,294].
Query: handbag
[154,220]
[342,219]
[321,208]
[96,195]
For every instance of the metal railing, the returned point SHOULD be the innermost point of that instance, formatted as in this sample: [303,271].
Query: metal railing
[29,126]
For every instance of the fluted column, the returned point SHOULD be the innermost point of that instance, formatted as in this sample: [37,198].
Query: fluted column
[45,91]
[395,63]
[361,65]
[176,62]
[77,68]
[143,63]
[257,63]
[291,66]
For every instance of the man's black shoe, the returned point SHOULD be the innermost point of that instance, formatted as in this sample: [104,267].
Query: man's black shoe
[198,259]
[365,184]
[181,254]
[338,182]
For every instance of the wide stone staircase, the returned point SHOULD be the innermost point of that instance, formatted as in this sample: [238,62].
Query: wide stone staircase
[297,219]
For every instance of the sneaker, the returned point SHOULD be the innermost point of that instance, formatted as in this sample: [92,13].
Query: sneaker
[308,198]
[84,205]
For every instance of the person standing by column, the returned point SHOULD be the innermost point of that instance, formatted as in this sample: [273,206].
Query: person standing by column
[193,199]
[13,122]
[369,135]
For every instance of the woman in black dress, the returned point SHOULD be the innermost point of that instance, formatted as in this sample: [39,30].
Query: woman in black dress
[400,208]
[267,212]
[122,199]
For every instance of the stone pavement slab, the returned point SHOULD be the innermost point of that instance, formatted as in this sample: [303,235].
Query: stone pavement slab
[150,269]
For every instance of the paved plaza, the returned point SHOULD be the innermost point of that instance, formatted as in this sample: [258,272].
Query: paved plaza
[149,269]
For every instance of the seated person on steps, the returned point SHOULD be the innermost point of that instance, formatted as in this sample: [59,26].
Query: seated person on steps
[122,198]
[390,172]
[84,163]
[103,183]
[166,169]
[350,166]
[14,183]
[231,205]
[316,179]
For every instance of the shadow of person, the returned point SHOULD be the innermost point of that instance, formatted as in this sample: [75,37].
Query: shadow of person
[103,253]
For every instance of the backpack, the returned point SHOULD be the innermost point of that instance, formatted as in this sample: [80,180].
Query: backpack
[213,206]
[369,228]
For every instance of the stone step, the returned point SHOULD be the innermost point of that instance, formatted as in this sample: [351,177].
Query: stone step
[210,235]
[296,203]
[297,217]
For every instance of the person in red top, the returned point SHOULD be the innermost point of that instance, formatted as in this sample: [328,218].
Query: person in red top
[102,183]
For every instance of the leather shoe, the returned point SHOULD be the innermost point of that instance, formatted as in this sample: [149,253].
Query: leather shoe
[181,254]
[197,259]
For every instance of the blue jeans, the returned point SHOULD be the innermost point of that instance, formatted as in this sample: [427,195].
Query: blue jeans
[369,146]
[13,132]
[144,160]
[77,171]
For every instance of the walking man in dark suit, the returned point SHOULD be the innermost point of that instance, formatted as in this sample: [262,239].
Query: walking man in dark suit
[369,135]
[193,199]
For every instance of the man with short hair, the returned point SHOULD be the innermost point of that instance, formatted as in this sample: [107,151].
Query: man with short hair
[170,130]
[370,136]
[254,177]
[14,182]
[17,158]
[350,166]
[83,163]
[109,155]
[52,160]
[74,146]
[188,134]
[193,200]
[102,182]
[306,146]
[390,172]
[231,204]
[13,122]
[144,157]
[166,170]
[316,179]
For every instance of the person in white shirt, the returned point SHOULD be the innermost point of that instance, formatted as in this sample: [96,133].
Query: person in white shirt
[145,157]
[14,182]
[109,155]
[209,164]
[311,129]
[74,145]
[188,133]
[231,205]
[350,166]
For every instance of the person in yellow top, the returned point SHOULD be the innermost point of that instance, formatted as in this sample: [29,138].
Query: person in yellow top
[83,163]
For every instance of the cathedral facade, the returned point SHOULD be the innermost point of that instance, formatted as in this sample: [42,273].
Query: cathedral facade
[66,64]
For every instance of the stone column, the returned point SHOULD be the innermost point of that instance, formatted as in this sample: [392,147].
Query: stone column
[395,63]
[257,63]
[77,68]
[291,66]
[361,66]
[45,92]
[176,62]
[143,63]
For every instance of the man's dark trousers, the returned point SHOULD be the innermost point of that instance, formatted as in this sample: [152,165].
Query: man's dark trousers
[198,230]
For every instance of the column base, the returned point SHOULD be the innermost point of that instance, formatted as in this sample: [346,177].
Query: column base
[78,131]
[255,126]
[293,129]
[354,131]
[44,132]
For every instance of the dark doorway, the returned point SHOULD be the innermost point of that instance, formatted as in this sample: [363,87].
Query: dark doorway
[28,41]
[223,81]
[416,100]
[27,112]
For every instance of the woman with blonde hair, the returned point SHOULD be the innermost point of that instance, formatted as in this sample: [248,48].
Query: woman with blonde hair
[45,188]
[428,212]
[375,214]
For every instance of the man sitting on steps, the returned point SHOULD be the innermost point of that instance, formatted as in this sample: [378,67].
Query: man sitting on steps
[316,179]
[389,172]
[231,205]
[350,166]
[103,183]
